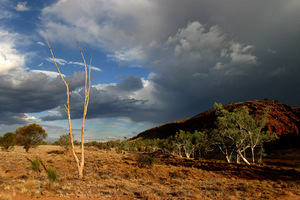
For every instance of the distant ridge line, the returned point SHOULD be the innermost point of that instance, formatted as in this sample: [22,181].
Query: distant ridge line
[282,119]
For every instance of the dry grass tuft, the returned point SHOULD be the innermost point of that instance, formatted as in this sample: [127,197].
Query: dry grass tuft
[4,196]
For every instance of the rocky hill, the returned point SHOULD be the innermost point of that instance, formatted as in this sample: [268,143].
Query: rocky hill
[282,119]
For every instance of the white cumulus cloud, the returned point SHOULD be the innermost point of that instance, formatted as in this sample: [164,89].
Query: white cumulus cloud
[22,6]
[10,58]
[195,37]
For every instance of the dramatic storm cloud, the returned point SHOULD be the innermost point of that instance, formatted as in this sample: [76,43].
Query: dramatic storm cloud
[113,100]
[28,92]
[25,91]
[204,51]
[153,61]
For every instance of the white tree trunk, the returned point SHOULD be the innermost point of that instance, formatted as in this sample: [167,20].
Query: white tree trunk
[253,157]
[243,158]
[228,159]
[80,163]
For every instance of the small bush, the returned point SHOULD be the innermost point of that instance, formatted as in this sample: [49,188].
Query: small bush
[118,150]
[147,161]
[65,142]
[35,165]
[52,174]
[151,161]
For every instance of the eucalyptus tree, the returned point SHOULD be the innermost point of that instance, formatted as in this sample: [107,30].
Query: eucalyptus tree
[30,136]
[254,129]
[189,142]
[8,141]
[238,130]
[226,134]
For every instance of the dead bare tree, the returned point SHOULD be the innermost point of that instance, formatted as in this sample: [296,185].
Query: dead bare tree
[87,87]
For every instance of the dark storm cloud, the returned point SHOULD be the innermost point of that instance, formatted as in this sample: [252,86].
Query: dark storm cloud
[202,52]
[8,118]
[195,82]
[130,83]
[27,92]
[255,54]
[106,102]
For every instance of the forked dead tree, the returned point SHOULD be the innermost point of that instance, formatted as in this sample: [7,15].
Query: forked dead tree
[87,87]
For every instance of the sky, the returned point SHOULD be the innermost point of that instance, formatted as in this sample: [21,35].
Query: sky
[153,61]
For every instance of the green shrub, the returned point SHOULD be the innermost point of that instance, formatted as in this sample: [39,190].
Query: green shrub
[65,142]
[8,141]
[36,165]
[150,161]
[52,174]
[146,161]
[119,150]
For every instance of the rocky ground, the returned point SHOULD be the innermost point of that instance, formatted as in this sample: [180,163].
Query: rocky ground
[123,175]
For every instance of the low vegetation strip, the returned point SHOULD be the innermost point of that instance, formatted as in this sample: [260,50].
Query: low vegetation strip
[111,174]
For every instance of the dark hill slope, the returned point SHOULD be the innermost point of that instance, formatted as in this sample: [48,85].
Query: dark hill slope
[282,119]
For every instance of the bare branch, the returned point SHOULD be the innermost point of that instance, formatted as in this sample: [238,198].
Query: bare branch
[61,76]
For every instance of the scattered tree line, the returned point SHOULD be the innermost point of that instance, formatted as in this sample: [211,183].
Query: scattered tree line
[28,136]
[237,134]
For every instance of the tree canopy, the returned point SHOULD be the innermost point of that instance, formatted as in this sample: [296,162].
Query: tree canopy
[30,136]
[238,130]
[8,141]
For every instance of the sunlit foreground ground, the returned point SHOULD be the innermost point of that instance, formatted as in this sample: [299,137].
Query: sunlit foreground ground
[123,175]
